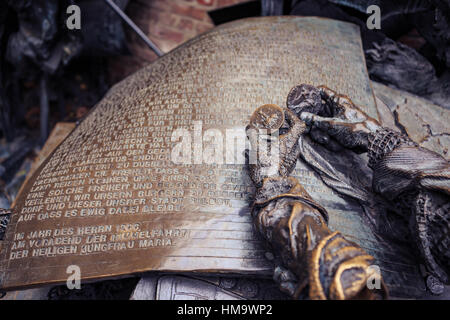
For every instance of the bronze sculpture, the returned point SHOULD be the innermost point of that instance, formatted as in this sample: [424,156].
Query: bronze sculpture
[417,178]
[231,89]
[295,225]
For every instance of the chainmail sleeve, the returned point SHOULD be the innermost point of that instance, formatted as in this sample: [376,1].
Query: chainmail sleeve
[419,182]
[400,165]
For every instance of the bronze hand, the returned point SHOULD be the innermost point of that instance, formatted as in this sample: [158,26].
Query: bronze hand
[335,119]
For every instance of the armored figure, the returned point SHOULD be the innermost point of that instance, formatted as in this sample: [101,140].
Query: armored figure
[414,179]
[309,254]
[295,225]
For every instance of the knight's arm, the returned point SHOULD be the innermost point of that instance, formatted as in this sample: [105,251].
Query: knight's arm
[418,179]
[400,165]
[295,227]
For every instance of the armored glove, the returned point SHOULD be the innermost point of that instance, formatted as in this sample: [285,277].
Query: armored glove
[332,117]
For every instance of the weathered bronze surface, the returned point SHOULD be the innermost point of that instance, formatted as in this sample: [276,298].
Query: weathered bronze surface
[170,287]
[306,251]
[423,121]
[413,181]
[58,134]
[409,110]
[110,200]
[268,116]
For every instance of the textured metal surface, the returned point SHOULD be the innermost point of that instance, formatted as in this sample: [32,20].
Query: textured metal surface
[401,170]
[168,287]
[58,134]
[113,174]
[425,122]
